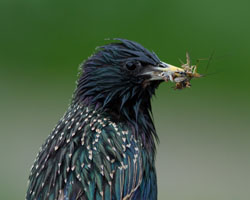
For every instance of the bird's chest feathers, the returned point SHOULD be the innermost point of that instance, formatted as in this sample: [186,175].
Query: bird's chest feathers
[87,139]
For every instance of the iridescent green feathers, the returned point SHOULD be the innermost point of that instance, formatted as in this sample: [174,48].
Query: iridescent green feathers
[106,83]
[89,152]
[104,146]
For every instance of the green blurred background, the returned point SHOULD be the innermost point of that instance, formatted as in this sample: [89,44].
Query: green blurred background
[204,131]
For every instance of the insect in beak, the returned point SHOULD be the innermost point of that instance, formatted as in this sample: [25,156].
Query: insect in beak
[181,76]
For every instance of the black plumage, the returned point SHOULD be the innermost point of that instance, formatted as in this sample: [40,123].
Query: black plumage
[104,145]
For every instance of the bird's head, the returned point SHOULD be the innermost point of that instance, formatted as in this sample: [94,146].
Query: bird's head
[125,73]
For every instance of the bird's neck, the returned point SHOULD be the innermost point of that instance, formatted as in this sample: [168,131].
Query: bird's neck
[142,126]
[127,103]
[136,114]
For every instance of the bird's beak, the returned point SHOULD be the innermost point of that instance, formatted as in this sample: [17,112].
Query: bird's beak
[164,72]
[181,76]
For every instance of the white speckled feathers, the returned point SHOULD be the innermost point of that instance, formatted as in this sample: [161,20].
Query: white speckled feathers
[90,153]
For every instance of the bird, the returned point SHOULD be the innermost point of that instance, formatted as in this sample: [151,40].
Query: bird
[104,147]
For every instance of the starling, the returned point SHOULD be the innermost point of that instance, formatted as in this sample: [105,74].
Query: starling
[104,146]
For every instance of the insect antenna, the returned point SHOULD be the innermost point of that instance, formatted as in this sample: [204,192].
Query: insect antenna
[188,59]
[182,63]
[200,59]
[213,73]
[209,61]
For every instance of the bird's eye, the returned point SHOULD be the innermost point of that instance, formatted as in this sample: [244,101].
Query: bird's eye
[132,65]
